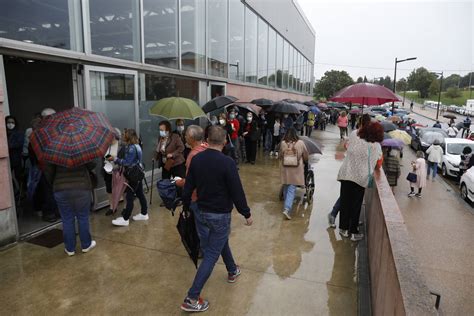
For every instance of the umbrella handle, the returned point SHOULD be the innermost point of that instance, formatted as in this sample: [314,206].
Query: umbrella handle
[152,181]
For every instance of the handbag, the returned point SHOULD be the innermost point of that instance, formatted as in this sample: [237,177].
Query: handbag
[290,157]
[134,173]
[169,164]
[412,177]
[371,174]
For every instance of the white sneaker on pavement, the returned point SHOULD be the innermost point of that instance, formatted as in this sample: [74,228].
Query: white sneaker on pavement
[92,246]
[344,233]
[140,217]
[287,215]
[120,221]
[69,253]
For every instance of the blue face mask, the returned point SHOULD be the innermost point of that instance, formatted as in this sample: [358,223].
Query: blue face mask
[163,133]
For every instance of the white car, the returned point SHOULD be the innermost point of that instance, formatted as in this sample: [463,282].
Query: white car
[453,148]
[467,185]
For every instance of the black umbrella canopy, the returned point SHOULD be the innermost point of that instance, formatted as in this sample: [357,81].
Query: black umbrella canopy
[388,126]
[218,102]
[262,102]
[284,107]
[311,145]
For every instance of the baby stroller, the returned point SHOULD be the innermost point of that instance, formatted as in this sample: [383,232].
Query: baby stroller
[168,193]
[309,184]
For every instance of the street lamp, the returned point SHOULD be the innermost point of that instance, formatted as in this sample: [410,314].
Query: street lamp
[395,76]
[439,94]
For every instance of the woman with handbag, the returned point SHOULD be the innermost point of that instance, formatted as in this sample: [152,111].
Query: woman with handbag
[418,180]
[356,173]
[293,157]
[133,171]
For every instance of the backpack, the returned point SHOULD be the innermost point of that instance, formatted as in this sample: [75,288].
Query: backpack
[168,194]
[290,156]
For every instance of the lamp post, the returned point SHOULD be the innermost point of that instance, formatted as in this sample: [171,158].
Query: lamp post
[439,94]
[395,76]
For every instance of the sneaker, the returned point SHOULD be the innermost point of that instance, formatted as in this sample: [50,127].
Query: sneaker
[331,221]
[140,217]
[120,221]
[199,305]
[418,195]
[344,233]
[276,154]
[411,194]
[92,246]
[271,153]
[287,215]
[69,253]
[232,277]
[357,237]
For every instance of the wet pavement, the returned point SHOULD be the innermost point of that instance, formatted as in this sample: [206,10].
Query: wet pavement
[297,267]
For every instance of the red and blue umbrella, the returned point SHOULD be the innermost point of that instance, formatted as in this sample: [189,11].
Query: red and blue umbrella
[72,138]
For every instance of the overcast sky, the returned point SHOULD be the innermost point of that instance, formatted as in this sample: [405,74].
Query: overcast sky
[368,35]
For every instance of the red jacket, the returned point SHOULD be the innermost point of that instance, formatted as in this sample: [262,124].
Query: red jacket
[235,132]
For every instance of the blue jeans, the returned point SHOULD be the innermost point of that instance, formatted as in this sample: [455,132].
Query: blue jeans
[213,230]
[75,204]
[336,207]
[289,191]
[434,167]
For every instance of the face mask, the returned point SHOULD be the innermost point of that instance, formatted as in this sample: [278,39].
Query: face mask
[222,122]
[180,128]
[10,126]
[249,118]
[163,133]
[232,116]
[214,122]
[285,116]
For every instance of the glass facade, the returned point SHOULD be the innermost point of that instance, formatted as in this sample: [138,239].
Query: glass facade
[250,46]
[290,68]
[286,50]
[217,39]
[279,60]
[271,57]
[236,39]
[193,35]
[262,52]
[160,28]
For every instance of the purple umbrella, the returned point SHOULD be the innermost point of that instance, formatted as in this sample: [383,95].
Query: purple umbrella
[393,142]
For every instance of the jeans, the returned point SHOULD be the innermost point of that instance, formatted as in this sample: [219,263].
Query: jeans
[235,150]
[352,196]
[434,167]
[130,197]
[213,230]
[336,207]
[75,204]
[289,191]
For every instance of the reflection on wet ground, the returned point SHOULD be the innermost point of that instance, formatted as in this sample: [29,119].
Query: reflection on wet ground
[297,267]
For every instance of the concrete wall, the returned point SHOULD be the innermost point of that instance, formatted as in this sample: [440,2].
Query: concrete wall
[397,286]
[285,16]
[247,94]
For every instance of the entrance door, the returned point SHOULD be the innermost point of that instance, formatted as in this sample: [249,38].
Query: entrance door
[216,89]
[113,92]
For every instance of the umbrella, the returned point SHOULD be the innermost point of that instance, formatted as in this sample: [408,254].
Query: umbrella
[418,125]
[459,125]
[189,236]
[218,102]
[309,103]
[355,111]
[394,119]
[311,145]
[386,136]
[393,142]
[380,118]
[300,107]
[450,116]
[431,137]
[401,135]
[284,107]
[72,138]
[388,126]
[119,184]
[174,108]
[365,93]
[255,109]
[314,109]
[322,105]
[262,102]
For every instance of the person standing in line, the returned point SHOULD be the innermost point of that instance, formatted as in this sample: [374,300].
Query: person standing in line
[419,168]
[276,137]
[15,140]
[286,123]
[310,123]
[452,131]
[466,127]
[437,124]
[342,123]
[180,131]
[133,157]
[107,167]
[391,165]
[435,157]
[169,153]
[353,117]
[216,180]
[292,175]
[234,124]
[251,134]
[242,150]
[72,189]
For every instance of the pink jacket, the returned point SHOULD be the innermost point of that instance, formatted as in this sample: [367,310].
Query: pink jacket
[342,121]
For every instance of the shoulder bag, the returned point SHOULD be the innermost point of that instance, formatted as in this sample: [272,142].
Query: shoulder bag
[134,173]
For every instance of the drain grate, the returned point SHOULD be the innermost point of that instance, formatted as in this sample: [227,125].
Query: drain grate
[48,239]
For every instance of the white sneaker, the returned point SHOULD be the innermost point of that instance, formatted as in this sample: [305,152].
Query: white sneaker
[69,253]
[271,153]
[344,233]
[92,246]
[357,237]
[411,194]
[276,154]
[287,215]
[119,221]
[140,217]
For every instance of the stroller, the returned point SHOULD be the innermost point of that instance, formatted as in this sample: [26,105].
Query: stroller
[168,193]
[309,184]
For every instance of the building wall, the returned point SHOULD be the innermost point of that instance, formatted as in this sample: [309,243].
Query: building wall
[247,94]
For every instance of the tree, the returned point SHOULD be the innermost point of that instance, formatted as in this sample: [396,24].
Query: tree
[331,82]
[465,80]
[365,79]
[420,80]
[451,81]
[453,92]
[402,85]
[387,82]
[434,88]
[360,80]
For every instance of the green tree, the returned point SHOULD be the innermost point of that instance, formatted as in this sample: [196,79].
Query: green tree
[453,92]
[451,81]
[420,79]
[402,85]
[360,80]
[465,81]
[331,82]
[365,79]
[387,82]
[434,88]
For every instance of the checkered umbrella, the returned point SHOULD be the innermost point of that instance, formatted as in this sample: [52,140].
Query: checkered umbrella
[72,138]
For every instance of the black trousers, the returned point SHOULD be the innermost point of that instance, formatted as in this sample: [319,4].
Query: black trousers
[351,196]
[251,149]
[275,142]
[176,171]
[130,198]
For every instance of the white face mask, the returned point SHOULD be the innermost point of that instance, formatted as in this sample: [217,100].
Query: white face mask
[180,128]
[222,122]
[249,118]
[10,126]
[163,133]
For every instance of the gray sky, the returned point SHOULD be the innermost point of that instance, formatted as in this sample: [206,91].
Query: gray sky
[369,34]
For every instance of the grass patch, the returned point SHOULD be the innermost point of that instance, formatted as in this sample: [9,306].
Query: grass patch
[460,101]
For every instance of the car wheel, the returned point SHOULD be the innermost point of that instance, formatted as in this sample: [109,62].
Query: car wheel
[464,191]
[444,171]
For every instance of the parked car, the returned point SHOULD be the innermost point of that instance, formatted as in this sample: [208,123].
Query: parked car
[467,185]
[452,149]
[378,110]
[423,138]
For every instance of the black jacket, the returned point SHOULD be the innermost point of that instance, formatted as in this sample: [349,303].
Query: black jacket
[62,178]
[254,131]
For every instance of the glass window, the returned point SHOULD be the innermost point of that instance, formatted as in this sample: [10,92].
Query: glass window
[295,72]
[262,51]
[115,29]
[51,23]
[160,24]
[271,57]
[236,40]
[298,71]
[286,48]
[250,46]
[193,35]
[290,68]
[279,59]
[217,24]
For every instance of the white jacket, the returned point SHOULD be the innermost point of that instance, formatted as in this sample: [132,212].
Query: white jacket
[452,131]
[435,153]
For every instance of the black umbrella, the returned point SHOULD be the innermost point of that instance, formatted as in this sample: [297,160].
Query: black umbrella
[262,102]
[189,236]
[218,102]
[388,126]
[284,107]
[309,103]
[311,145]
